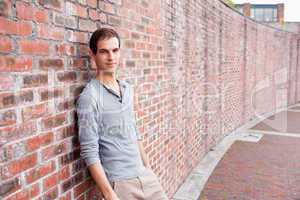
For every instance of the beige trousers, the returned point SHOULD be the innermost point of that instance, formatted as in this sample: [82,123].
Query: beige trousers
[144,187]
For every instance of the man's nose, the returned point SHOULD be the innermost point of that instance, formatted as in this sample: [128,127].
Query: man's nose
[110,55]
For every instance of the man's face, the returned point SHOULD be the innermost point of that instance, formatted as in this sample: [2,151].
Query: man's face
[108,54]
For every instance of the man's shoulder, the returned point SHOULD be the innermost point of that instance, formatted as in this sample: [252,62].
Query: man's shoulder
[87,94]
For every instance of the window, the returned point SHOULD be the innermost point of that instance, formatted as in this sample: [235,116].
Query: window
[264,14]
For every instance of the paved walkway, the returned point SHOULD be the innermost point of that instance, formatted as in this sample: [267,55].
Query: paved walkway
[260,161]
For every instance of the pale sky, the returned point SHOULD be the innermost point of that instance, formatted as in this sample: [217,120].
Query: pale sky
[291,7]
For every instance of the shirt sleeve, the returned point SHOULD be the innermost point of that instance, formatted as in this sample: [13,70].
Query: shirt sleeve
[88,130]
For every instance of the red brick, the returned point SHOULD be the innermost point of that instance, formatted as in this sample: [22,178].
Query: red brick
[34,47]
[87,25]
[49,32]
[64,173]
[56,63]
[50,181]
[81,188]
[54,150]
[80,37]
[79,63]
[70,76]
[107,7]
[54,121]
[95,15]
[75,9]
[8,117]
[65,49]
[66,105]
[7,82]
[53,4]
[46,138]
[15,64]
[6,45]
[47,94]
[26,11]
[15,28]
[9,186]
[36,111]
[11,133]
[72,182]
[35,80]
[92,3]
[51,194]
[9,99]
[6,8]
[22,164]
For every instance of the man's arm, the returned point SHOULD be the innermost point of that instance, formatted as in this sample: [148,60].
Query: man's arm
[89,146]
[143,154]
[102,183]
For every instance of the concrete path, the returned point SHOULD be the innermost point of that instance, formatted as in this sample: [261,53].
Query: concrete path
[259,161]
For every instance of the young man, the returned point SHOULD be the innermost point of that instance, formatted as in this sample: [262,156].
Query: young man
[110,143]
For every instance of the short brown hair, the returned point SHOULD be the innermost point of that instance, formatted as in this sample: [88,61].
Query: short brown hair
[102,34]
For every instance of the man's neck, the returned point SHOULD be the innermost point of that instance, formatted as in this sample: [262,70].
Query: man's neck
[107,78]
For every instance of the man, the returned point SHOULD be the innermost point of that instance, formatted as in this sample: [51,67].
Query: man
[109,140]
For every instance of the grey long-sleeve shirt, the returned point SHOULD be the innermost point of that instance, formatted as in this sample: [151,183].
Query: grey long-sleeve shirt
[107,130]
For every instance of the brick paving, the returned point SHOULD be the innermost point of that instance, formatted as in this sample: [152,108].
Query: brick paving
[267,170]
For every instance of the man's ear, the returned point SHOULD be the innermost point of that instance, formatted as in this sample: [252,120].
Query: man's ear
[92,59]
[91,54]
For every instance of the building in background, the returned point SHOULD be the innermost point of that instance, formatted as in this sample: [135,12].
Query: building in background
[271,14]
[263,12]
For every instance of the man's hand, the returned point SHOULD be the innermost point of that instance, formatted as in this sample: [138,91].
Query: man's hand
[111,196]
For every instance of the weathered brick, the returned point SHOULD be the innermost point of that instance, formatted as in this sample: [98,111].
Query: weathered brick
[87,25]
[54,121]
[92,3]
[6,45]
[47,94]
[10,133]
[35,80]
[40,172]
[33,47]
[28,12]
[7,117]
[15,64]
[22,164]
[114,21]
[81,188]
[75,36]
[56,63]
[54,150]
[77,10]
[11,99]
[7,82]
[5,8]
[107,7]
[8,187]
[51,194]
[65,105]
[50,181]
[49,32]
[95,15]
[71,182]
[79,63]
[66,159]
[15,28]
[65,49]
[67,76]
[54,4]
[36,111]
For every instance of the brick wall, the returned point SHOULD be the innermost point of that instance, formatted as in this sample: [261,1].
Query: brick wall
[200,70]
